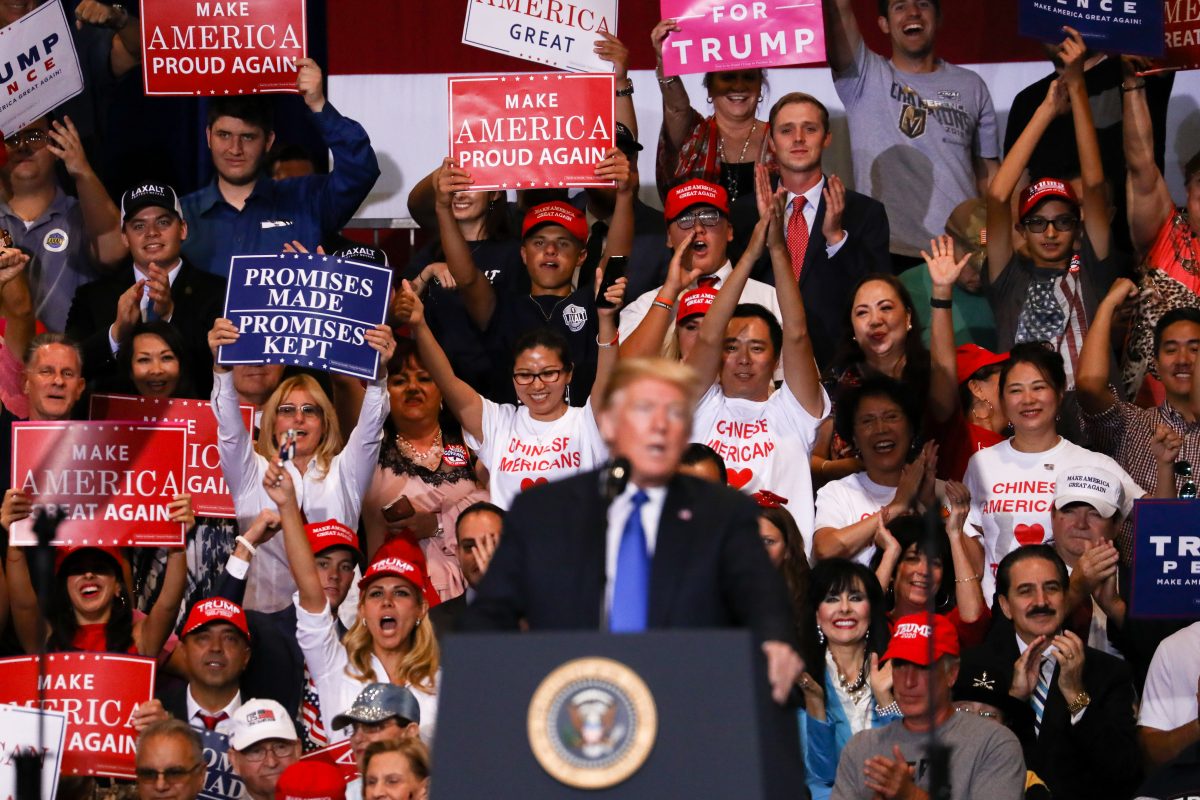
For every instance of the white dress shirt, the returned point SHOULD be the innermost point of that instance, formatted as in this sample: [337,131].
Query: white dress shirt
[812,199]
[194,710]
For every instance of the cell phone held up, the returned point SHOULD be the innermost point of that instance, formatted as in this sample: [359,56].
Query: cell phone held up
[287,448]
[614,270]
[399,509]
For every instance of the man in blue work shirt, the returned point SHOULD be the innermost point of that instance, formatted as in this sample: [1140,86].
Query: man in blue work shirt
[244,211]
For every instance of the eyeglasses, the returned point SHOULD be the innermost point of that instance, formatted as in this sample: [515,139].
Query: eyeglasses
[293,410]
[259,751]
[36,139]
[546,376]
[1039,224]
[709,219]
[985,714]
[170,774]
[1183,469]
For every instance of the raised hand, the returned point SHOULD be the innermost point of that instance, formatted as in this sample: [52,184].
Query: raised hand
[1072,53]
[943,269]
[659,34]
[223,332]
[310,83]
[407,307]
[834,194]
[277,483]
[615,294]
[448,179]
[610,49]
[1027,668]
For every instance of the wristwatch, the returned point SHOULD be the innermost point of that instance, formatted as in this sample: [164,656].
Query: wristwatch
[1081,701]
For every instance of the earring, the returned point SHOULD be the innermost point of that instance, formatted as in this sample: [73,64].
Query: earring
[760,98]
[820,635]
[418,622]
[567,395]
[710,99]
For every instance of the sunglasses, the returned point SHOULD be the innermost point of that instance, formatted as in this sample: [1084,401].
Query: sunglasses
[1039,224]
[709,219]
[1183,469]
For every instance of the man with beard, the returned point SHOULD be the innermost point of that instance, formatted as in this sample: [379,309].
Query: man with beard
[1083,744]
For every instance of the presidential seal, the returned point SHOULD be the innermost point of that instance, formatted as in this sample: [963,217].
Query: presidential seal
[592,723]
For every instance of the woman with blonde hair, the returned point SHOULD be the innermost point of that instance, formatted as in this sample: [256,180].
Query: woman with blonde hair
[298,424]
[392,637]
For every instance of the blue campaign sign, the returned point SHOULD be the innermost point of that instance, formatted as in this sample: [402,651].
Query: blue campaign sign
[220,781]
[306,310]
[1166,559]
[1118,26]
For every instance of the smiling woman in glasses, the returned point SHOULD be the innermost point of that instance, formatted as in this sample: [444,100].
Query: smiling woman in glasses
[543,438]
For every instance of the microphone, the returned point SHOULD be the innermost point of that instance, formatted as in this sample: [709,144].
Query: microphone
[613,478]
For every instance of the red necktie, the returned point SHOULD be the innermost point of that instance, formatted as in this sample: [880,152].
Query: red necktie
[210,720]
[797,236]
[707,282]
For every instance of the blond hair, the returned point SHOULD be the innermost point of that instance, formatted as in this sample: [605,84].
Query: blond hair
[331,439]
[420,662]
[631,370]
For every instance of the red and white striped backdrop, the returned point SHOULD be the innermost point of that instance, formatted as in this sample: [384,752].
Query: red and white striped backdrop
[389,59]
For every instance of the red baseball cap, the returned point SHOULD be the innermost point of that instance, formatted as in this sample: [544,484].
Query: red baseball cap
[61,554]
[401,557]
[1046,189]
[695,193]
[910,640]
[331,533]
[216,609]
[556,213]
[971,358]
[697,301]
[311,779]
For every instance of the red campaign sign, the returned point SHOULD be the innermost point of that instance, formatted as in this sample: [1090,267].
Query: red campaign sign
[111,481]
[719,35]
[1181,27]
[205,480]
[99,693]
[339,755]
[209,47]
[531,131]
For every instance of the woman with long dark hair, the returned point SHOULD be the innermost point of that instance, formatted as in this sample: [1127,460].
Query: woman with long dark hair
[784,542]
[845,690]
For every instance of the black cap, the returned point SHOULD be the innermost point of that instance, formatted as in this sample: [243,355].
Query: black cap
[627,143]
[149,195]
[363,252]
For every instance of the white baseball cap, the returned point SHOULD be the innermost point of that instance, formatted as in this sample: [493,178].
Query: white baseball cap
[1095,486]
[256,720]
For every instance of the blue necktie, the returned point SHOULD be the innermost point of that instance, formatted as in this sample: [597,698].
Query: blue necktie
[1041,692]
[631,587]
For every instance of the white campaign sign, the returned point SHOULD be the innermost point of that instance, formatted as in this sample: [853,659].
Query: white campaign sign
[19,735]
[39,70]
[558,34]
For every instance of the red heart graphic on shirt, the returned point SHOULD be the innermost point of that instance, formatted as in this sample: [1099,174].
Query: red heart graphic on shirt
[1030,534]
[528,482]
[739,477]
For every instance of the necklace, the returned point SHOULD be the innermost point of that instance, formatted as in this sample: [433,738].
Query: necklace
[420,456]
[731,180]
[854,690]
[546,316]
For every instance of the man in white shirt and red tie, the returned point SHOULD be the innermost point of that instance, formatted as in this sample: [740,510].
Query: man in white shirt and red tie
[838,237]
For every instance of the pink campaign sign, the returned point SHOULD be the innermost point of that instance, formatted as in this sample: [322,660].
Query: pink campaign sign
[717,35]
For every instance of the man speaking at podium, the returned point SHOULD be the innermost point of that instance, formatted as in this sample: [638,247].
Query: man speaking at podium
[636,546]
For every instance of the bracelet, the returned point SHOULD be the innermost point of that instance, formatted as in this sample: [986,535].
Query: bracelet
[667,81]
[937,302]
[892,709]
[660,304]
[244,542]
[616,339]
[667,301]
[1139,84]
[627,91]
[968,580]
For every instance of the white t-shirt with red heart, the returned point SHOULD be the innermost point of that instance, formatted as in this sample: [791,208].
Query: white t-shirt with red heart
[1012,494]
[520,451]
[849,500]
[766,445]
